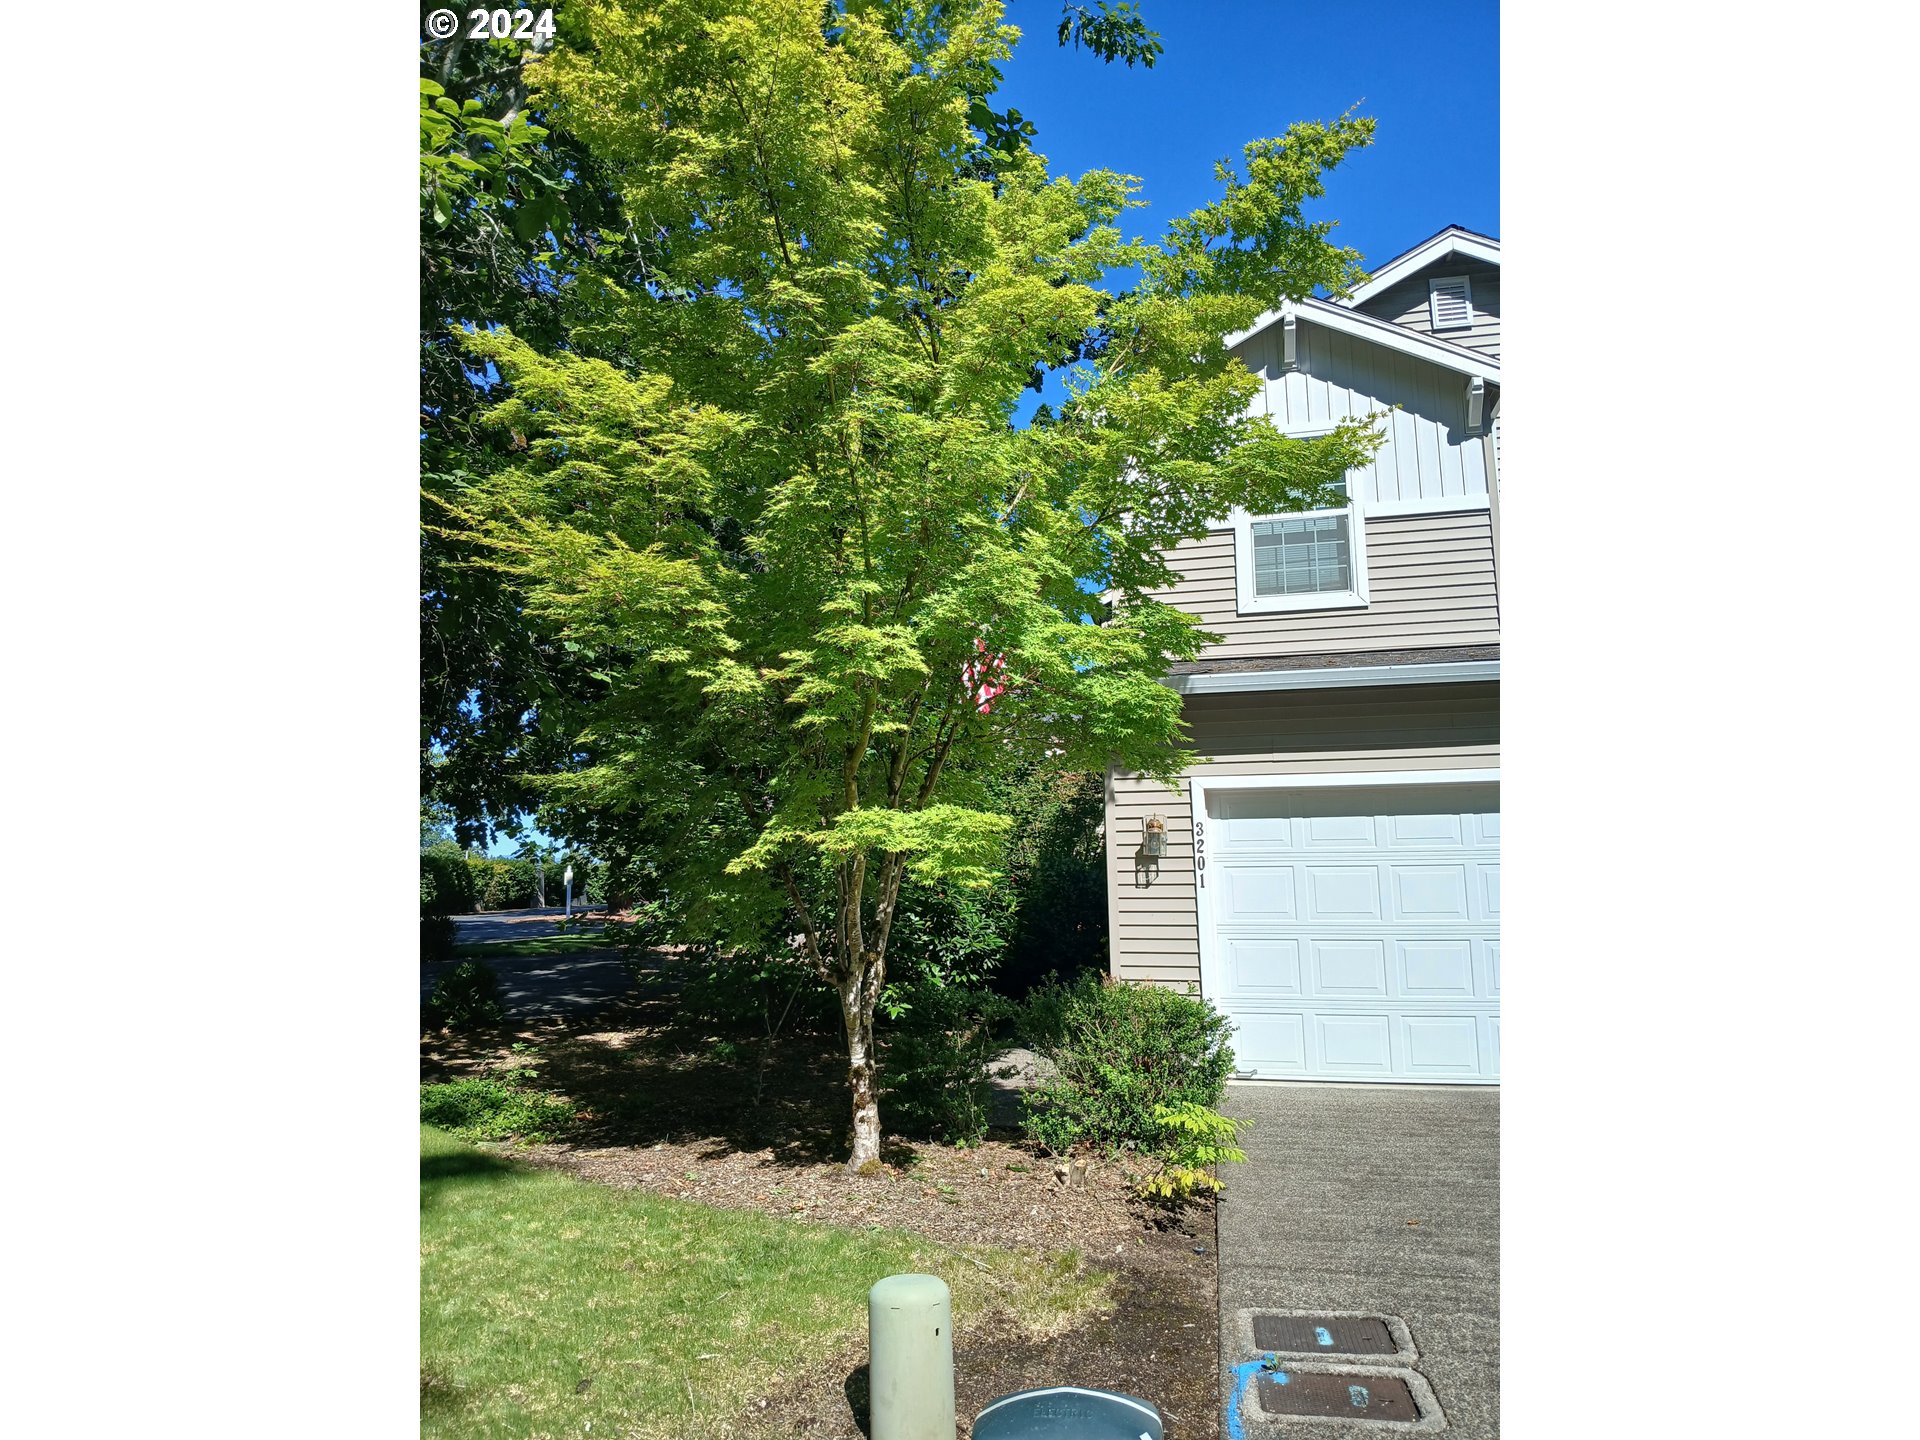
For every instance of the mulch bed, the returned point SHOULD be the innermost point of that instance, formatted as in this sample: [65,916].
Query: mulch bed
[676,1114]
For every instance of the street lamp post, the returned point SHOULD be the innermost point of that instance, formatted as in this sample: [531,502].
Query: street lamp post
[569,883]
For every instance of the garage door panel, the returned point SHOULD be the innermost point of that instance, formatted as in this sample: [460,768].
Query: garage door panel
[1339,832]
[1246,819]
[1343,968]
[1421,832]
[1354,1044]
[1280,1041]
[1342,892]
[1258,892]
[1439,1046]
[1435,969]
[1430,892]
[1257,967]
[1355,936]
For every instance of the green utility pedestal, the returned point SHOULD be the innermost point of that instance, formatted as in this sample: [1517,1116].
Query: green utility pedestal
[910,1358]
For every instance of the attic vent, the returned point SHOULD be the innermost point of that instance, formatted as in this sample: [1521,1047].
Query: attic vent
[1451,302]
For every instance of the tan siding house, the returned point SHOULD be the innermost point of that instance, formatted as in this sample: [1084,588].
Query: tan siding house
[1430,582]
[1329,876]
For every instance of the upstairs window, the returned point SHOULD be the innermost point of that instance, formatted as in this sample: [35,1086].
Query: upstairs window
[1313,560]
[1450,302]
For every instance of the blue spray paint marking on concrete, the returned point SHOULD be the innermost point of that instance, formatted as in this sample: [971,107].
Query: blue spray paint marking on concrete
[1357,1395]
[1243,1377]
[1320,1333]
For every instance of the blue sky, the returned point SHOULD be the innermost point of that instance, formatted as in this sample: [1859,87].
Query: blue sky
[1238,70]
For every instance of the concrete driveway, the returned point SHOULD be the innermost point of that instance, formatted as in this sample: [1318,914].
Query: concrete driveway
[1381,1201]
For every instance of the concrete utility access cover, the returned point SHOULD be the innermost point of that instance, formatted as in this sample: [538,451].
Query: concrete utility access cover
[1344,1397]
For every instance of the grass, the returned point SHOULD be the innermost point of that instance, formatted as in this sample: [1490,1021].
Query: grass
[535,947]
[550,1306]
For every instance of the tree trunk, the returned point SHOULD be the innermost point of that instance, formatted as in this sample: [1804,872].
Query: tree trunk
[857,1012]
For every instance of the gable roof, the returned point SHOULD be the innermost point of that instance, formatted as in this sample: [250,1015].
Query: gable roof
[1454,240]
[1443,353]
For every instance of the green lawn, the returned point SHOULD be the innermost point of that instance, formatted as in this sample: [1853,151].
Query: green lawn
[534,947]
[678,1314]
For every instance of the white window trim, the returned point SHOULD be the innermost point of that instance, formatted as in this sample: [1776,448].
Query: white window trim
[1433,313]
[1252,604]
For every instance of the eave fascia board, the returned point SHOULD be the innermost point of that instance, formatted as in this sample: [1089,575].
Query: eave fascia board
[1383,333]
[1443,246]
[1233,682]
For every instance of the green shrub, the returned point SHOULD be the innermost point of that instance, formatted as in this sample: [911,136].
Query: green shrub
[746,996]
[502,884]
[950,934]
[1120,1051]
[937,1042]
[1192,1138]
[467,997]
[501,1106]
[446,882]
[1057,869]
[437,936]
[1048,914]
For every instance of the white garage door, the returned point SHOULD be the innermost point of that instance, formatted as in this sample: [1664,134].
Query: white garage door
[1355,932]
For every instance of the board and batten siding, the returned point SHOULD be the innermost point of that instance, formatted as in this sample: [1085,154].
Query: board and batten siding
[1426,453]
[1430,581]
[1406,304]
[1154,924]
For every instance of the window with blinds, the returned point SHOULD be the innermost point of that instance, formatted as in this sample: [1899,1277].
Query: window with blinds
[1450,302]
[1301,560]
[1302,557]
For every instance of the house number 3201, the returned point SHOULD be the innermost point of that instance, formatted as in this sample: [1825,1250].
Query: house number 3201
[1200,852]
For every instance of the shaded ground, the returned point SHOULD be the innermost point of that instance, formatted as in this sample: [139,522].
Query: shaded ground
[545,986]
[732,1124]
[1383,1199]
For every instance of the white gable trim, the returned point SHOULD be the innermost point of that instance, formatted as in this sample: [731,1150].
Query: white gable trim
[1380,332]
[1445,245]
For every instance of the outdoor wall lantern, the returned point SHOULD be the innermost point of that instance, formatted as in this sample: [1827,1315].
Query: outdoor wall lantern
[1153,843]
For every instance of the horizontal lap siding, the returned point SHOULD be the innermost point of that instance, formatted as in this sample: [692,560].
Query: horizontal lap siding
[1430,581]
[1155,925]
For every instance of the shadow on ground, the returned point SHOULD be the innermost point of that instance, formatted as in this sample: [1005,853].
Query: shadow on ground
[641,1078]
[859,1393]
[438,1171]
